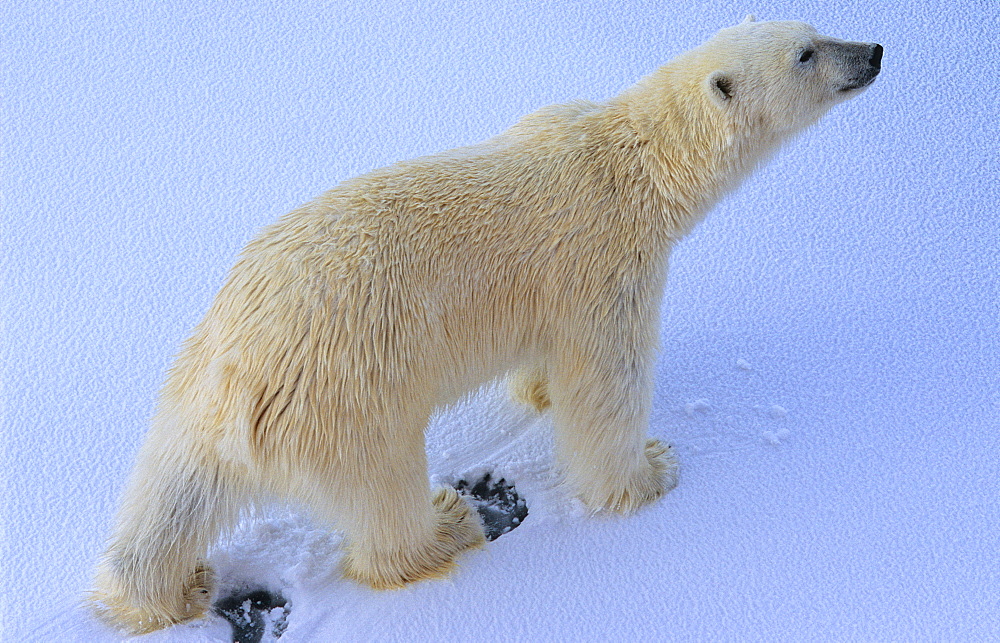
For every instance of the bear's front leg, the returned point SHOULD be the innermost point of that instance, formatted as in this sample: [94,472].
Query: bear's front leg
[601,391]
[399,531]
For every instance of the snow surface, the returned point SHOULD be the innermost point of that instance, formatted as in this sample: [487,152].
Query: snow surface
[831,333]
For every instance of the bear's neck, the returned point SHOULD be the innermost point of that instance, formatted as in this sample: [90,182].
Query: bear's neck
[692,153]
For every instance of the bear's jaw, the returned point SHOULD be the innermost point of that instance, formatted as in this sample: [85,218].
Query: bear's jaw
[861,83]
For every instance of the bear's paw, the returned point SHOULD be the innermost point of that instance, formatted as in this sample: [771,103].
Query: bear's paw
[457,529]
[644,486]
[136,610]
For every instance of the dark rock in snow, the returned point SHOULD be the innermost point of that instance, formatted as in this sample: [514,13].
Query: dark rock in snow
[498,504]
[252,615]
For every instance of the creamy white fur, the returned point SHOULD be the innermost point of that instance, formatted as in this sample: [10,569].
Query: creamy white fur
[541,253]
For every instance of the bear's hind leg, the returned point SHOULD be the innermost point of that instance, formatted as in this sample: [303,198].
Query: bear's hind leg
[397,531]
[153,573]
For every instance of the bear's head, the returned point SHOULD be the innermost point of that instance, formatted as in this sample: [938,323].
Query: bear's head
[782,76]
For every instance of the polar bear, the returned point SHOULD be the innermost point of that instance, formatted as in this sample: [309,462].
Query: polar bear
[541,253]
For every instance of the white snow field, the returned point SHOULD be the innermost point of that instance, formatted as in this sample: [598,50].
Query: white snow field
[830,369]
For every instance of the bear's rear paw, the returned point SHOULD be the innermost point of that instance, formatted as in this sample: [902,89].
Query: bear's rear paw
[646,485]
[457,529]
[135,610]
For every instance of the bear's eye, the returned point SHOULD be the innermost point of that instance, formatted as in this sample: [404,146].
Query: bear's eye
[805,55]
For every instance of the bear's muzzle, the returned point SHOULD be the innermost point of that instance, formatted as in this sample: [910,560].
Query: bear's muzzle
[870,63]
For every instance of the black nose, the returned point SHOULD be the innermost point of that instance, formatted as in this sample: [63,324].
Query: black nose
[876,59]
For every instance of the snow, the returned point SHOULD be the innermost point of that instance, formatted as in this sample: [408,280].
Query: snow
[831,333]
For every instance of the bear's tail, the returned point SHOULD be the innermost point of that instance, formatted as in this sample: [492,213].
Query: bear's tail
[154,574]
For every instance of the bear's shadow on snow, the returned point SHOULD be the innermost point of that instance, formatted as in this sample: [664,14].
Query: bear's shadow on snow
[253,613]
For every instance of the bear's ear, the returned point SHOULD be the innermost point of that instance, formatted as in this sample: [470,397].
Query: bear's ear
[720,86]
[750,18]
